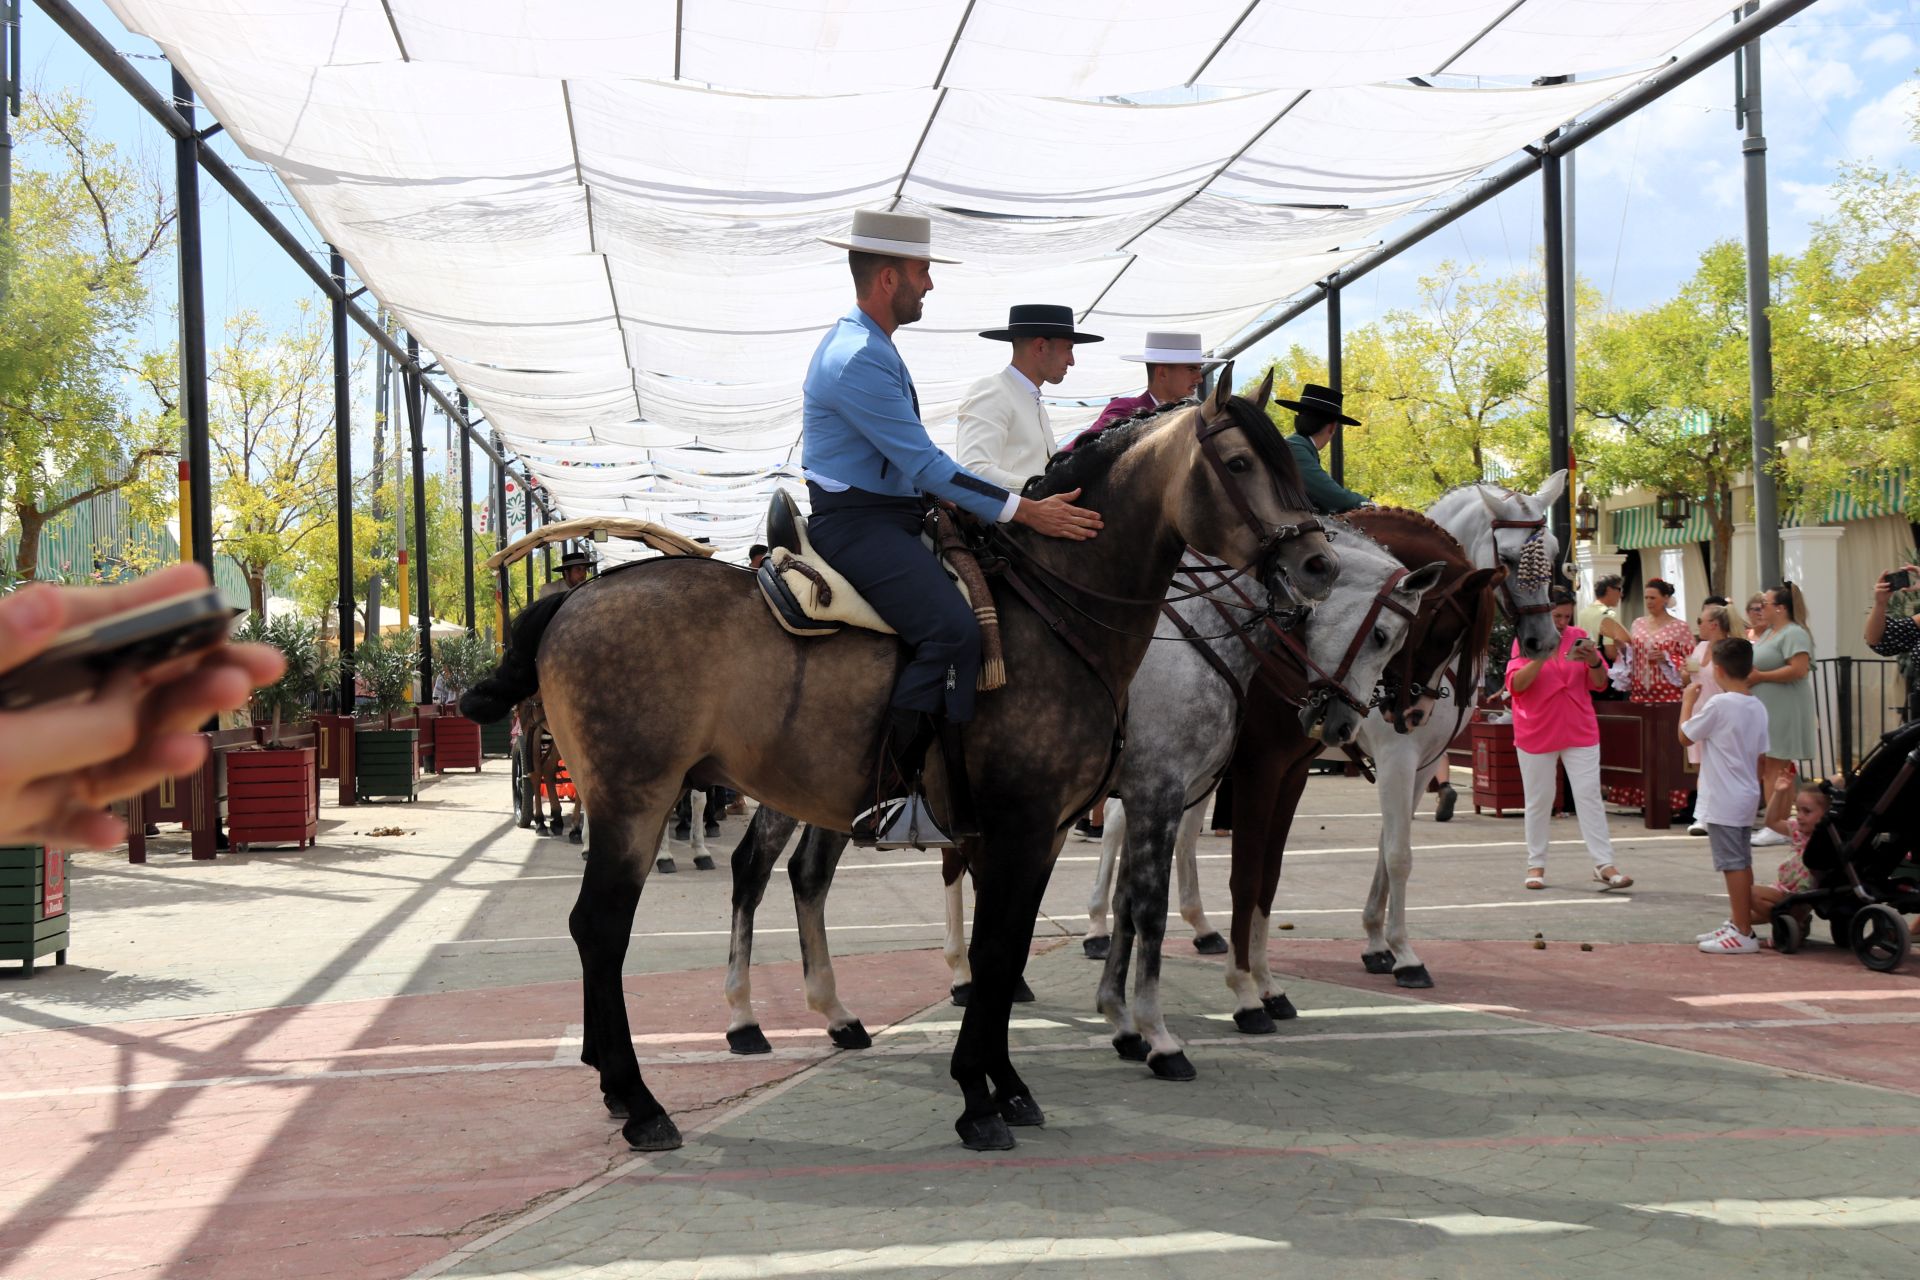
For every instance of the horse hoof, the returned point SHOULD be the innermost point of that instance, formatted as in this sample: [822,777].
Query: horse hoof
[1021,1112]
[701,862]
[1377,961]
[1171,1066]
[683,834]
[1443,811]
[1096,948]
[664,866]
[1131,1045]
[1279,1008]
[961,994]
[1022,993]
[1415,976]
[1210,944]
[984,1133]
[851,1036]
[655,1133]
[748,1039]
[615,1107]
[1253,1022]
[576,836]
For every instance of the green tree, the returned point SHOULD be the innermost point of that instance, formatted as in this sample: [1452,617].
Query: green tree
[1847,337]
[1664,399]
[81,409]
[271,418]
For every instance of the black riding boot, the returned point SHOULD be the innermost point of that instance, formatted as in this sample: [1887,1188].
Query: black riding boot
[900,818]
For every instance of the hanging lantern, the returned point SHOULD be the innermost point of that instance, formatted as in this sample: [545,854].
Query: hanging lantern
[1674,509]
[1586,517]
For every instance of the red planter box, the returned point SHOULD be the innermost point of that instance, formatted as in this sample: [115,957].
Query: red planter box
[456,743]
[273,797]
[1496,772]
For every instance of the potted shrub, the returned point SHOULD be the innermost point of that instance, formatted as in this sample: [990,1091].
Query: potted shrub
[387,760]
[462,661]
[273,792]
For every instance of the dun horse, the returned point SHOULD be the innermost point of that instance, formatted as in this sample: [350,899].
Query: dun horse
[641,703]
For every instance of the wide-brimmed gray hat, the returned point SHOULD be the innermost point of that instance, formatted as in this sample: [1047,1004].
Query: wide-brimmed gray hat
[894,235]
[1173,348]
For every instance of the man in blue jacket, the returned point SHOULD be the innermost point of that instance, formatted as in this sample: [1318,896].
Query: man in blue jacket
[872,472]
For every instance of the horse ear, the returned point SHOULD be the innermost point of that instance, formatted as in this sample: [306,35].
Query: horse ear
[1485,579]
[1552,489]
[1265,392]
[1422,580]
[1491,502]
[1222,391]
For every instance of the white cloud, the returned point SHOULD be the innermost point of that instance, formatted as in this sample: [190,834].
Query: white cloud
[1895,46]
[1813,200]
[1882,131]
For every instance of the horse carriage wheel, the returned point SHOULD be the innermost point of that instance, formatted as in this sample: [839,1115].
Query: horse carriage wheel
[520,817]
[1787,934]
[1880,938]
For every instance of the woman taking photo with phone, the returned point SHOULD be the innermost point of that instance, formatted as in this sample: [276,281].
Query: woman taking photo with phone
[1554,727]
[1782,680]
[1899,635]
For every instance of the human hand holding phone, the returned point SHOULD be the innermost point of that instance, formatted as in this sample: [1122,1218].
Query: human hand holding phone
[62,762]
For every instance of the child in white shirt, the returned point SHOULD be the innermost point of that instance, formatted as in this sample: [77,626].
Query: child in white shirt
[1732,732]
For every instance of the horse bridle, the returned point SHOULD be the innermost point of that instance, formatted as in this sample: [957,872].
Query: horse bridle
[1516,610]
[1267,551]
[1323,686]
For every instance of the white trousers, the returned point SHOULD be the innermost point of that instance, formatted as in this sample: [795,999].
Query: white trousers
[1583,776]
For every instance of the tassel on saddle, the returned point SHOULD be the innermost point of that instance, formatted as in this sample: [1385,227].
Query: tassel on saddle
[954,549]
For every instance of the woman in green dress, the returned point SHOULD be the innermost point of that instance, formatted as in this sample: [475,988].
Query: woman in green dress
[1783,681]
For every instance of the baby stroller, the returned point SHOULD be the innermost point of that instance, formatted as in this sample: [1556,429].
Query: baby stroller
[1865,858]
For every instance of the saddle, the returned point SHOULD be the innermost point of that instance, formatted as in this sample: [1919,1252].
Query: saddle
[809,597]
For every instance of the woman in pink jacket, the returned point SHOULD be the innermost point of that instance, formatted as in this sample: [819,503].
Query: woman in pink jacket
[1554,727]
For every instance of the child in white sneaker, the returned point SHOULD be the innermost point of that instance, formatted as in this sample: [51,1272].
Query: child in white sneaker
[1732,733]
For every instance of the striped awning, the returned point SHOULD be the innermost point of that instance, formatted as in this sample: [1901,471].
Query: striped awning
[1879,492]
[1637,527]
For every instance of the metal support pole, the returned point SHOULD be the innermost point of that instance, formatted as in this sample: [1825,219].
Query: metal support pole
[466,511]
[501,592]
[546,552]
[1337,454]
[9,105]
[1766,498]
[1559,407]
[193,327]
[529,560]
[343,479]
[416,425]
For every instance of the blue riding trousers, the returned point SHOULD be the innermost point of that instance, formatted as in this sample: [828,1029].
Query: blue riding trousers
[874,542]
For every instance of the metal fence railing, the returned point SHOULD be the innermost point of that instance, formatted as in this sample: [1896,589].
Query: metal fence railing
[1856,701]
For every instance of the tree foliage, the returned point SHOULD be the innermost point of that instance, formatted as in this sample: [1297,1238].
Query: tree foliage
[83,411]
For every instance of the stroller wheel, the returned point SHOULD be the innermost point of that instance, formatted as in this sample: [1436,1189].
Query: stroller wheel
[1787,934]
[1880,938]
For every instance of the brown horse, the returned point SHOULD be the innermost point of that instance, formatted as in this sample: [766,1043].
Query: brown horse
[1270,762]
[641,701]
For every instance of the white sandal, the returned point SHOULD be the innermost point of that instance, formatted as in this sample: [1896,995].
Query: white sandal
[1536,881]
[1617,880]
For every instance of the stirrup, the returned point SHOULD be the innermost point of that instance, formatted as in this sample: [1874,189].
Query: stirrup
[904,822]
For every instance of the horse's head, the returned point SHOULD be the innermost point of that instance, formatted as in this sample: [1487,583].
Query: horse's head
[1501,528]
[1240,499]
[1353,634]
[1456,617]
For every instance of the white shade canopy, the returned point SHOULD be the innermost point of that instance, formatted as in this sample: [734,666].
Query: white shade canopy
[602,217]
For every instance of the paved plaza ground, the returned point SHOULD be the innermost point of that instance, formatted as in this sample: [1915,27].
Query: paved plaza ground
[362,1060]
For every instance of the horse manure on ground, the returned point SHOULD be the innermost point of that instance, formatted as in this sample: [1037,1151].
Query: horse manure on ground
[1288,924]
[1539,944]
[386,831]
[1586,946]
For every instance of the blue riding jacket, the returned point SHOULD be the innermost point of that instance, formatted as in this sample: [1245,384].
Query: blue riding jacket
[861,426]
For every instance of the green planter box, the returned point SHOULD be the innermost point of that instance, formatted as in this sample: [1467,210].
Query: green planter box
[33,905]
[496,739]
[386,763]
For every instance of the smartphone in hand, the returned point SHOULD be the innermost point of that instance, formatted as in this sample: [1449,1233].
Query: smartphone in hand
[82,658]
[1899,580]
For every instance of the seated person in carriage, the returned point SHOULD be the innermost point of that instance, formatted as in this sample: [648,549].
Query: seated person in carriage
[872,472]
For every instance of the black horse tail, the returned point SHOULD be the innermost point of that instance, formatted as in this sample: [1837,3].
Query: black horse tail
[516,678]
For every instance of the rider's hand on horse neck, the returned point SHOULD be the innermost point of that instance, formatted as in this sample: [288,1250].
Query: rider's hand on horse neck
[1057,517]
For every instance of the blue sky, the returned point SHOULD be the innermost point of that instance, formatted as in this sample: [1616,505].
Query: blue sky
[1651,194]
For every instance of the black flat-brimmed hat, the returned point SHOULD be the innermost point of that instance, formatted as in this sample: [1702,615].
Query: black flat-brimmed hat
[1317,401]
[572,558]
[1039,320]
